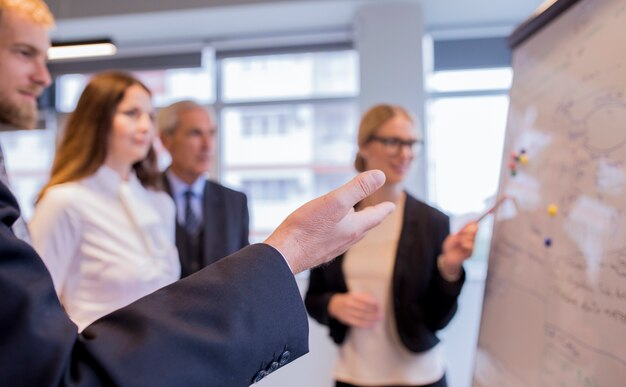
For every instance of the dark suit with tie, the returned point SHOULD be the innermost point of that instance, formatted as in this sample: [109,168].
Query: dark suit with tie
[230,324]
[224,230]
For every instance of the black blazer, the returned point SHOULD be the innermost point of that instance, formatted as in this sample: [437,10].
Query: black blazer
[423,302]
[226,226]
[227,325]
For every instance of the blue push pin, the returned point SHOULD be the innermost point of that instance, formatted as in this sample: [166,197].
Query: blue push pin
[547,242]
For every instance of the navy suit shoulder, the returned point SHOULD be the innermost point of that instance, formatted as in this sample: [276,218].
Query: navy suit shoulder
[227,192]
[228,218]
[195,332]
[226,222]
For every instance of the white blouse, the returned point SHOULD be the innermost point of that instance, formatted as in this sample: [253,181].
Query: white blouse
[106,242]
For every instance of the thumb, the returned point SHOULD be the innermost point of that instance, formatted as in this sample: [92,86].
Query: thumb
[357,189]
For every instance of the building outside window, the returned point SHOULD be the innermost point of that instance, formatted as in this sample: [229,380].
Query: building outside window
[287,127]
[167,86]
[28,155]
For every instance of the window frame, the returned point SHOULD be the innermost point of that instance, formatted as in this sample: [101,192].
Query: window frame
[220,105]
[476,268]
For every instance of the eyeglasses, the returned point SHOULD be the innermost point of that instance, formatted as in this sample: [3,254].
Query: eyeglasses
[394,145]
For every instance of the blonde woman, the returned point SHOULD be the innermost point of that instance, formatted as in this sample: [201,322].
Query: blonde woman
[386,297]
[102,227]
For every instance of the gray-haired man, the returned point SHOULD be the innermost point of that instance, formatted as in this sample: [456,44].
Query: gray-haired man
[212,220]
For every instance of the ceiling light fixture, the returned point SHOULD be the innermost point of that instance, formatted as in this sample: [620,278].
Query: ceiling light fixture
[81,49]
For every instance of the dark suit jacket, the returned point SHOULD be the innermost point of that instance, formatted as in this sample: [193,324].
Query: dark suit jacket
[226,226]
[423,301]
[226,325]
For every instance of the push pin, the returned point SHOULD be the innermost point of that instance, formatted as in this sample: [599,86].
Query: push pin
[547,242]
[553,209]
[523,159]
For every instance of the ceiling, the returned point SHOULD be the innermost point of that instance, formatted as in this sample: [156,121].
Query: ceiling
[137,23]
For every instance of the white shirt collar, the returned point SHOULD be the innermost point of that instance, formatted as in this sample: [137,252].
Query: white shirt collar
[179,187]
[133,197]
[110,181]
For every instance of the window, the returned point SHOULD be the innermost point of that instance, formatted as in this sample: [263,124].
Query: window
[288,128]
[167,86]
[466,114]
[272,189]
[28,155]
[289,76]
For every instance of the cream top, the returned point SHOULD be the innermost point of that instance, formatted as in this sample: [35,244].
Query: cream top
[375,356]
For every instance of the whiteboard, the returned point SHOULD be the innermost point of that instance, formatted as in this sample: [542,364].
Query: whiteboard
[554,312]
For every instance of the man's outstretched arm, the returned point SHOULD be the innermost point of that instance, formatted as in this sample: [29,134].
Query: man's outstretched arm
[227,325]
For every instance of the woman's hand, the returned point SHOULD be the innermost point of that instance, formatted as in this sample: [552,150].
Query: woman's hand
[359,310]
[456,249]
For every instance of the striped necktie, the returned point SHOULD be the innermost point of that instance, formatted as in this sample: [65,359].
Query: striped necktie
[192,224]
[19,227]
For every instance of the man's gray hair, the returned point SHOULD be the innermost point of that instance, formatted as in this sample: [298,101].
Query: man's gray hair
[167,118]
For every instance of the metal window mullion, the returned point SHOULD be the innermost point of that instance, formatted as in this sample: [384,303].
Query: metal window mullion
[218,105]
[286,50]
[466,93]
[287,101]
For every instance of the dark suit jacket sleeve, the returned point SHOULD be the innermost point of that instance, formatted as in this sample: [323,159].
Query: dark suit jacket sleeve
[218,327]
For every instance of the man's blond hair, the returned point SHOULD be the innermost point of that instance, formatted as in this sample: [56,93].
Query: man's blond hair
[35,10]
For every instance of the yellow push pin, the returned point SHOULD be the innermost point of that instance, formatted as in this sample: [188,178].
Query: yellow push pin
[523,159]
[553,209]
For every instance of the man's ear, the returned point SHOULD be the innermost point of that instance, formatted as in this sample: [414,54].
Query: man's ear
[166,140]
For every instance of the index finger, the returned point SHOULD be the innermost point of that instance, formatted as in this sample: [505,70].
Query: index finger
[366,300]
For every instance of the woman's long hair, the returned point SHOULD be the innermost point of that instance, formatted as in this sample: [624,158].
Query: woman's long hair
[84,146]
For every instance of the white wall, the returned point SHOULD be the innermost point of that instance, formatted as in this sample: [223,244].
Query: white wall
[388,38]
